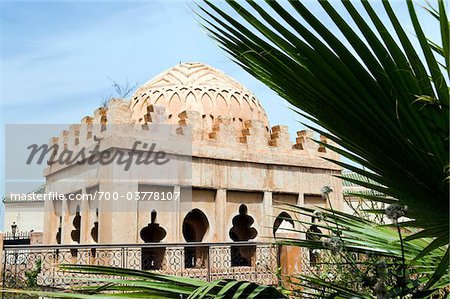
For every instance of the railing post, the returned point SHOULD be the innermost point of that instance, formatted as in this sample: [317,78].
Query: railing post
[16,255]
[209,263]
[291,261]
[123,258]
[55,264]
[259,249]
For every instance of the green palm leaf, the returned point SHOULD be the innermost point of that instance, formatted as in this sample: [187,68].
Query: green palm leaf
[111,282]
[362,236]
[365,92]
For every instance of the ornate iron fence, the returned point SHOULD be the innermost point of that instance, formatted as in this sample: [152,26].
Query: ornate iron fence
[16,236]
[37,265]
[20,238]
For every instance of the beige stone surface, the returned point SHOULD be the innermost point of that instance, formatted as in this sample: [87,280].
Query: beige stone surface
[197,87]
[236,159]
[36,238]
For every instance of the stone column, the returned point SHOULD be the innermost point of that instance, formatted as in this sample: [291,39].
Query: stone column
[85,237]
[336,196]
[124,225]
[300,203]
[118,215]
[106,208]
[105,216]
[51,222]
[267,218]
[66,225]
[177,216]
[221,233]
[291,258]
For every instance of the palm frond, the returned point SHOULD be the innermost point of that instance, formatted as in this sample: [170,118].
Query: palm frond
[111,282]
[360,91]
[367,238]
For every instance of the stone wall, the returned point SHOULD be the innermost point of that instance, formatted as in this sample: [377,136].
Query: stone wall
[235,157]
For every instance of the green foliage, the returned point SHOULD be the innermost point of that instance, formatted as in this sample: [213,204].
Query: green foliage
[385,103]
[32,274]
[111,282]
[377,99]
[370,253]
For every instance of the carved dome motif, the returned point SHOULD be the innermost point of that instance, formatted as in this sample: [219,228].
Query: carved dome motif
[197,87]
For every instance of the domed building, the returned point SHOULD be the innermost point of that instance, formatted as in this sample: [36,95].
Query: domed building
[201,88]
[233,172]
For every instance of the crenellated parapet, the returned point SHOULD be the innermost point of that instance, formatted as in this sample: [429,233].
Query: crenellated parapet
[74,135]
[86,132]
[194,121]
[304,141]
[219,133]
[213,110]
[118,111]
[279,137]
[255,134]
[63,140]
[223,132]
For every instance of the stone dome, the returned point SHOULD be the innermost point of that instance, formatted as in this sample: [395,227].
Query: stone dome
[197,87]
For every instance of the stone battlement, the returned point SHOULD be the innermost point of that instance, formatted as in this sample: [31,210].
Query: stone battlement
[222,133]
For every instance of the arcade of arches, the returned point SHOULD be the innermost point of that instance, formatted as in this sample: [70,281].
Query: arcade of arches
[243,170]
[196,225]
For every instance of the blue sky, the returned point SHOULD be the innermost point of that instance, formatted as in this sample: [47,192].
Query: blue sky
[56,57]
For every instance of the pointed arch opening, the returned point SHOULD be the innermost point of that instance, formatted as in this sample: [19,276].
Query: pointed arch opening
[195,226]
[283,222]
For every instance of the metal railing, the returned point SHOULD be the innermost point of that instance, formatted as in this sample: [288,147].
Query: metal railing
[16,236]
[37,265]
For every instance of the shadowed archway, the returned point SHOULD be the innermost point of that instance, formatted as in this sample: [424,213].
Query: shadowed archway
[153,233]
[282,222]
[243,231]
[195,226]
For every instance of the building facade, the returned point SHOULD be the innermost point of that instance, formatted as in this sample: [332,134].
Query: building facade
[240,165]
[242,171]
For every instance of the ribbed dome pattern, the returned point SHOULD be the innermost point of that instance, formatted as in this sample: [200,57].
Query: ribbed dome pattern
[197,87]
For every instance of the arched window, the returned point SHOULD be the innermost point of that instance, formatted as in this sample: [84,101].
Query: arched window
[242,230]
[76,232]
[282,222]
[195,226]
[58,234]
[153,233]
